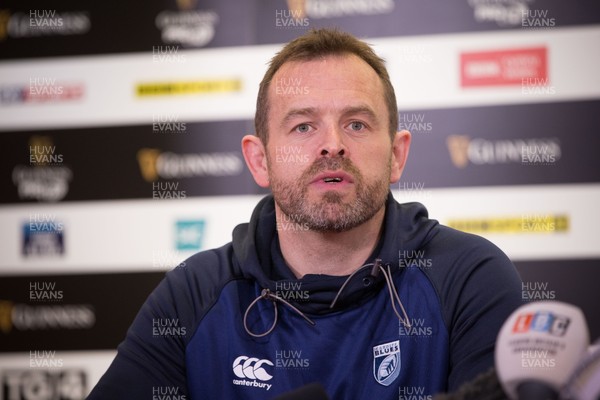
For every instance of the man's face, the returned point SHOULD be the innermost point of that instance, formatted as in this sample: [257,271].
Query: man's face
[329,153]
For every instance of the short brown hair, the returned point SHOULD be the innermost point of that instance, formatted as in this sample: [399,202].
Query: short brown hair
[318,43]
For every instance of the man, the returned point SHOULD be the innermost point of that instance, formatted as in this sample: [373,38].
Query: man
[287,302]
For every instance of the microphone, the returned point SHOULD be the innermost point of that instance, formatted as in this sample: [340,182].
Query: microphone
[584,384]
[538,348]
[312,391]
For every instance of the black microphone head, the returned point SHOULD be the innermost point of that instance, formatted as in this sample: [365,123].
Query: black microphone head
[312,391]
[536,390]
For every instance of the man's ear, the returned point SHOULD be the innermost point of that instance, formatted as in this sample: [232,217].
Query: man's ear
[400,147]
[256,159]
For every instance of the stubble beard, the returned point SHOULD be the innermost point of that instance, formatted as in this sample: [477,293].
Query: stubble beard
[330,213]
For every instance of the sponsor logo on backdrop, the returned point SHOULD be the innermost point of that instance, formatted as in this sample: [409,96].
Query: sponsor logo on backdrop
[505,13]
[25,317]
[44,384]
[179,88]
[4,18]
[156,164]
[43,239]
[43,22]
[42,183]
[523,224]
[386,362]
[252,372]
[41,90]
[187,26]
[43,152]
[465,150]
[300,9]
[189,235]
[46,178]
[527,66]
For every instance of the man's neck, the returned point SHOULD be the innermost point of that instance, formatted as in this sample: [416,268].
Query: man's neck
[331,253]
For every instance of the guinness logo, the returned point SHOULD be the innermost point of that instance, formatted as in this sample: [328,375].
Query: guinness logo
[37,140]
[186,4]
[6,316]
[4,17]
[458,146]
[42,145]
[155,164]
[147,161]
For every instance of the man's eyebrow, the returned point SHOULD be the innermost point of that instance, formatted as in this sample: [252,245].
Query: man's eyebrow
[297,112]
[361,109]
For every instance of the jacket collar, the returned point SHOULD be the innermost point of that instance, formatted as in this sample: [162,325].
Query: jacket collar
[256,247]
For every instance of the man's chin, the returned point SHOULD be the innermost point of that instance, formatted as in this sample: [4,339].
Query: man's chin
[335,218]
[334,226]
[333,199]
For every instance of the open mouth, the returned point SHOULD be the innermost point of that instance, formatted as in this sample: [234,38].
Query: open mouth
[332,180]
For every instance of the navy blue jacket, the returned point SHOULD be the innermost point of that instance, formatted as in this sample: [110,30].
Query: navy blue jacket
[189,340]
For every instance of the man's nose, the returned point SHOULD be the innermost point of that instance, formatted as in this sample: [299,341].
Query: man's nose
[333,143]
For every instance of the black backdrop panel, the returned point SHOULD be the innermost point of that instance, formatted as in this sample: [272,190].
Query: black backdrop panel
[571,281]
[70,312]
[546,143]
[98,27]
[162,160]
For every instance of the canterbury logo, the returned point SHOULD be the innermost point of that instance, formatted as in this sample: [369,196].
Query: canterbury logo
[251,368]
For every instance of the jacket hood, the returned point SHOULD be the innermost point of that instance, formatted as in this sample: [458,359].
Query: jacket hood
[256,248]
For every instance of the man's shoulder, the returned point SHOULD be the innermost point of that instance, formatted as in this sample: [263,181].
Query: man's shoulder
[454,243]
[462,261]
[206,259]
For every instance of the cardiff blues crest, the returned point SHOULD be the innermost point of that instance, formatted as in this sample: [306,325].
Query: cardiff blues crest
[386,362]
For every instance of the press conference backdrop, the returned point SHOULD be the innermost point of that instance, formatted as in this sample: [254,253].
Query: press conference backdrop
[120,129]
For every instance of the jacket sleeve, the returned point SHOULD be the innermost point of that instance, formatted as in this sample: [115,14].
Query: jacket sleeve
[478,290]
[151,359]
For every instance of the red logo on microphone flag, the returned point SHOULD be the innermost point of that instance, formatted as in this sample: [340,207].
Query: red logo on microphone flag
[522,323]
[542,321]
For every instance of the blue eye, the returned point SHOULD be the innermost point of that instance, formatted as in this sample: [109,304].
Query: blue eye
[303,128]
[357,126]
